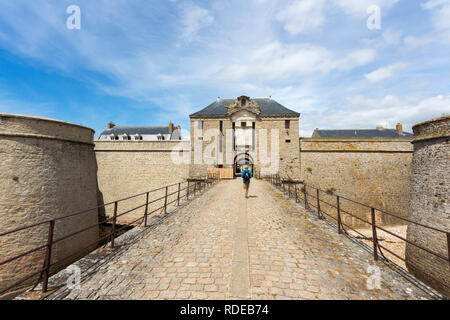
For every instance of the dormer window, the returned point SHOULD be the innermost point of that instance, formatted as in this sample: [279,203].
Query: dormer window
[243,103]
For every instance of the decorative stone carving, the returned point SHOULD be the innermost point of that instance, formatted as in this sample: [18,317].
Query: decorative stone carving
[243,103]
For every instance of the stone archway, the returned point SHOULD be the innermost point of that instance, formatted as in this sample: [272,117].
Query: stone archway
[241,160]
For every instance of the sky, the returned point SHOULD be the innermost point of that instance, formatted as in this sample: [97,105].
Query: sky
[148,62]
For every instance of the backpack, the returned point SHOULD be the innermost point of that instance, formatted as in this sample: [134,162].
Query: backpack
[246,175]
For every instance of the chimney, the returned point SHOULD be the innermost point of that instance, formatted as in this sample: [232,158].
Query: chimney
[111,125]
[170,127]
[399,128]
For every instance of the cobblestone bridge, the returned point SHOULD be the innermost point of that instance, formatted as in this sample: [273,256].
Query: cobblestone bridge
[223,246]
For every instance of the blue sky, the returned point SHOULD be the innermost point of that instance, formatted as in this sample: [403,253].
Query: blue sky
[147,62]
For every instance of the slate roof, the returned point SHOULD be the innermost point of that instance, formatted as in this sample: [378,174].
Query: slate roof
[136,130]
[268,106]
[361,133]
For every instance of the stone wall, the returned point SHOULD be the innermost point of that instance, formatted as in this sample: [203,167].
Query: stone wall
[375,172]
[288,153]
[430,196]
[47,170]
[127,168]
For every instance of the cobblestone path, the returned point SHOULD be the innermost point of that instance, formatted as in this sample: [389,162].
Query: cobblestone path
[223,246]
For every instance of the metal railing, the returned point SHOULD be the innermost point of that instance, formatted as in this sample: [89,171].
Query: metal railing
[185,189]
[292,190]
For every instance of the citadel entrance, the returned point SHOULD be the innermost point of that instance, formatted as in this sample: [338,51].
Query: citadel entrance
[240,161]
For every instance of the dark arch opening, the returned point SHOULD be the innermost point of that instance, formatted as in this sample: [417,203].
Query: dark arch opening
[242,160]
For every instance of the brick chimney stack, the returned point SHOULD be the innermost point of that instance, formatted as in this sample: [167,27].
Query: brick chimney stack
[170,127]
[111,125]
[399,128]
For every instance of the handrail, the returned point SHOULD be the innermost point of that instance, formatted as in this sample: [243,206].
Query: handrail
[45,271]
[276,181]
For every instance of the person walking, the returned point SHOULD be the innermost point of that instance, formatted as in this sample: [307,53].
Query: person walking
[246,176]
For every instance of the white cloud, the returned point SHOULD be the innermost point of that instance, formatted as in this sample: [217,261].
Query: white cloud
[302,16]
[193,19]
[431,4]
[386,72]
[275,61]
[364,113]
[359,7]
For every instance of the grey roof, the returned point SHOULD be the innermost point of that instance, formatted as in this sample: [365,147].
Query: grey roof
[136,130]
[268,106]
[361,133]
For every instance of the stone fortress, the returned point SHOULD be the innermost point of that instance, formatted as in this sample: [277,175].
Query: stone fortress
[50,168]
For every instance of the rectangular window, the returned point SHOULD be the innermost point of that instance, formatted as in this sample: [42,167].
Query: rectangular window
[200,124]
[288,141]
[221,126]
[287,124]
[243,124]
[200,138]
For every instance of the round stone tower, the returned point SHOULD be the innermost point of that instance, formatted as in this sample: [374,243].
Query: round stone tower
[47,170]
[430,201]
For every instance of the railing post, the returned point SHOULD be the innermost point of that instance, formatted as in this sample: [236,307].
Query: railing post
[187,194]
[318,204]
[339,214]
[178,198]
[448,246]
[296,194]
[374,235]
[48,256]
[165,201]
[113,231]
[146,210]
[305,195]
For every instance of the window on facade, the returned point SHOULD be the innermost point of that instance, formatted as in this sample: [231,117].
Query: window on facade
[221,126]
[288,140]
[243,124]
[200,138]
[243,102]
[287,124]
[200,124]
[116,137]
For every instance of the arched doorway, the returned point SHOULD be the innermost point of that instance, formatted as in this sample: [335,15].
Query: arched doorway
[240,161]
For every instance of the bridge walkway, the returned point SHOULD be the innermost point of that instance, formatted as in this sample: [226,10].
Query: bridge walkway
[223,246]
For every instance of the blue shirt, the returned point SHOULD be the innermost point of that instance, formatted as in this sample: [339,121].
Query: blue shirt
[250,174]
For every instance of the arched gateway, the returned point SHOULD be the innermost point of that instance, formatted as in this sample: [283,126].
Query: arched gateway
[240,161]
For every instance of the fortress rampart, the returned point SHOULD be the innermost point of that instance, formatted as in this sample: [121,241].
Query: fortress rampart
[47,170]
[375,172]
[430,196]
[127,168]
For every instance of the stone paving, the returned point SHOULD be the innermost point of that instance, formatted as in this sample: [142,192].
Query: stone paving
[223,246]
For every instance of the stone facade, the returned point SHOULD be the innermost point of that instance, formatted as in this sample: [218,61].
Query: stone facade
[267,142]
[47,170]
[375,172]
[127,168]
[430,196]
